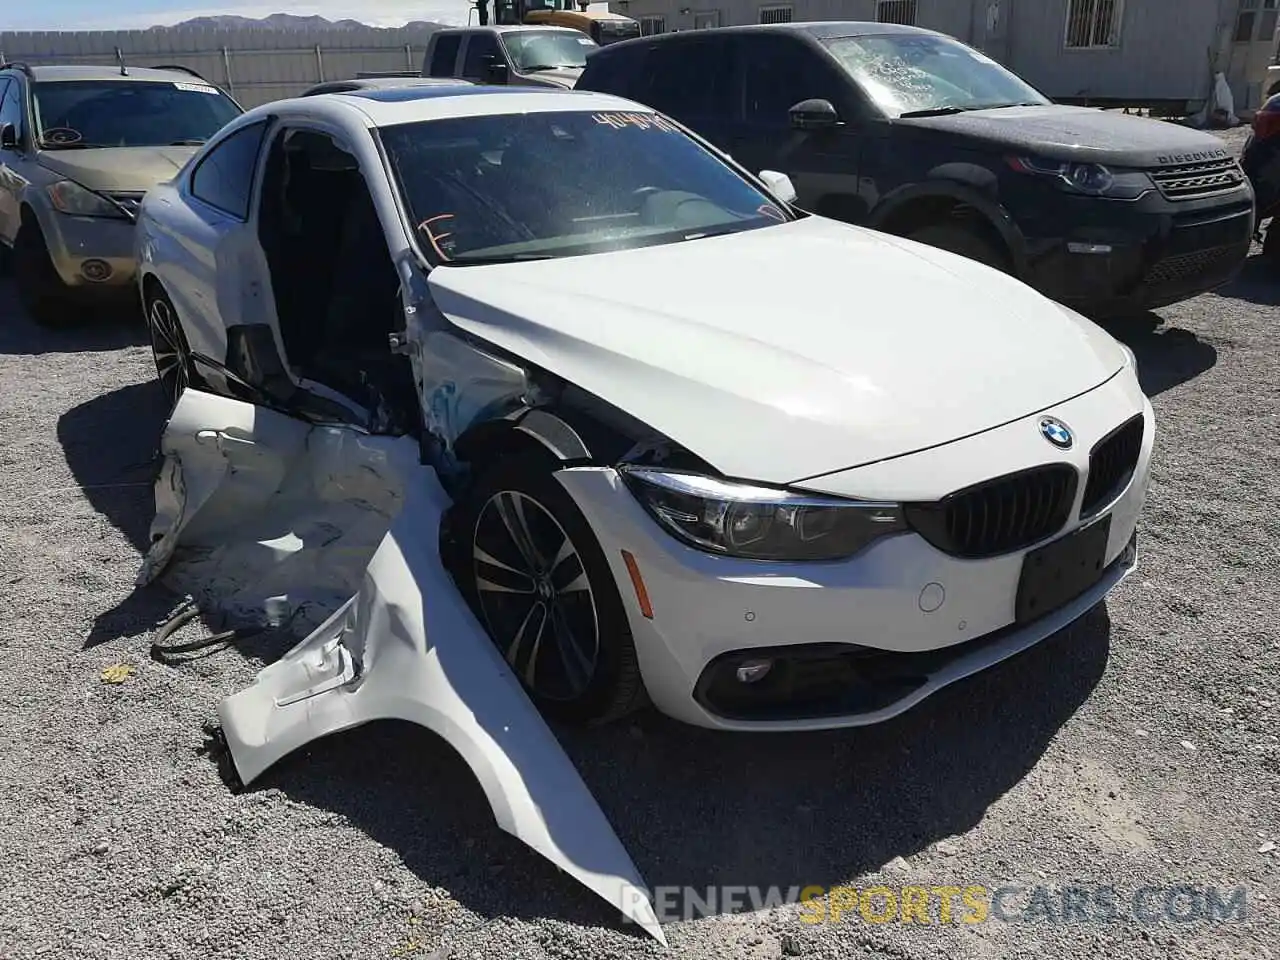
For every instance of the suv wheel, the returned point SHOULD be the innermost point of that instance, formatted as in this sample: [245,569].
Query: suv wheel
[965,241]
[539,582]
[168,345]
[1271,241]
[40,290]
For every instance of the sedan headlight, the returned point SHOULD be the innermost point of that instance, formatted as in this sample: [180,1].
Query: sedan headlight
[71,198]
[759,523]
[1093,179]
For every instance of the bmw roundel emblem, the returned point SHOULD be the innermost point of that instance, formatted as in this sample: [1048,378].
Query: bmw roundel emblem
[1056,432]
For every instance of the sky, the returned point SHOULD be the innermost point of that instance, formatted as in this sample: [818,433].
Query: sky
[139,14]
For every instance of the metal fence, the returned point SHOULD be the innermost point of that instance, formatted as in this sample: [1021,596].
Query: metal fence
[253,65]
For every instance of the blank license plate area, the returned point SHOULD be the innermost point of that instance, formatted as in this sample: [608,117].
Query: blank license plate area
[1058,572]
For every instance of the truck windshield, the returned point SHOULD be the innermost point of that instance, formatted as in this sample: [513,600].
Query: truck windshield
[533,186]
[913,75]
[128,113]
[547,49]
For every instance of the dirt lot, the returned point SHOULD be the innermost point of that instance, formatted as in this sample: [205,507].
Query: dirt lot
[1139,750]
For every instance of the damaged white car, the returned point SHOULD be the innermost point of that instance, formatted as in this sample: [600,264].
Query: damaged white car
[769,470]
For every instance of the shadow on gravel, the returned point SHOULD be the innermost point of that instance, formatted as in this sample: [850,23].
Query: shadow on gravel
[698,808]
[1259,282]
[99,331]
[1167,356]
[110,444]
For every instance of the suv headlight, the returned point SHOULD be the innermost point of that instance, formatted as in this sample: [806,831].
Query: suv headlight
[69,197]
[759,523]
[1093,179]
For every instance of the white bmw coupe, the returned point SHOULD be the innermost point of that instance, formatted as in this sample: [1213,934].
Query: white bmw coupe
[773,471]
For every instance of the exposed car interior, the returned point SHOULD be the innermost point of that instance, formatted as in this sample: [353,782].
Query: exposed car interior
[335,286]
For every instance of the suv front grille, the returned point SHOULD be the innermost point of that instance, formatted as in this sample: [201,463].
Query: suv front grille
[1187,181]
[1111,465]
[132,202]
[998,516]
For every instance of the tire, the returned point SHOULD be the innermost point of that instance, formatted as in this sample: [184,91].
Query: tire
[966,241]
[169,347]
[41,291]
[1271,241]
[565,632]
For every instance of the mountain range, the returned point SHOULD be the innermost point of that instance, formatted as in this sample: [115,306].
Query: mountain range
[280,21]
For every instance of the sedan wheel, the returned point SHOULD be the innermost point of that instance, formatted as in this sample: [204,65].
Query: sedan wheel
[532,569]
[535,596]
[169,348]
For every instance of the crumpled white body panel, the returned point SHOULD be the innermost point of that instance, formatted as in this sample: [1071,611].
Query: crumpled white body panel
[405,646]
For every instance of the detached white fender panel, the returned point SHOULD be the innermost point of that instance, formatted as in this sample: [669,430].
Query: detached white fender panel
[405,647]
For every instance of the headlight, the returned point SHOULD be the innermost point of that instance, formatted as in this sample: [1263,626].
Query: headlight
[759,523]
[71,198]
[1090,178]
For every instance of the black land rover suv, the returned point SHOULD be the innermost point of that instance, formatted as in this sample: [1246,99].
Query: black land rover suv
[914,133]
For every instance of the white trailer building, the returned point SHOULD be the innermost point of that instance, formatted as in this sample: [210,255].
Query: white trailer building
[1156,52]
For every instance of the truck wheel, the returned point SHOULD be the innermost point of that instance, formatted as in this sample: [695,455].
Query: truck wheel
[965,241]
[40,290]
[535,575]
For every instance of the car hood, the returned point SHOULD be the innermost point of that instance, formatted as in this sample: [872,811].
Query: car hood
[1080,133]
[787,352]
[118,168]
[558,76]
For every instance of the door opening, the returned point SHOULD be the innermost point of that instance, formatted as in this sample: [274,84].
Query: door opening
[337,293]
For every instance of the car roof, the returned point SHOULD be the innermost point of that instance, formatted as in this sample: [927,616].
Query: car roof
[58,72]
[818,30]
[390,106]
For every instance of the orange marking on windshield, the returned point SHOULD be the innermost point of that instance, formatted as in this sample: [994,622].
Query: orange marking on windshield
[434,238]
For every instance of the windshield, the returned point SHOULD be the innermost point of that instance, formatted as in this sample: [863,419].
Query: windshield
[128,113]
[911,74]
[539,185]
[544,49]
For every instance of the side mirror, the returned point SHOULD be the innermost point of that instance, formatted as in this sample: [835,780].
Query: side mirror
[496,72]
[779,185]
[813,115]
[8,136]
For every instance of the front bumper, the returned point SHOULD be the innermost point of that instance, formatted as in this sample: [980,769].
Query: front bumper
[1117,257]
[79,244]
[707,608]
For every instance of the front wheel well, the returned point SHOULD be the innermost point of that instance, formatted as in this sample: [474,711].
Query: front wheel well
[931,211]
[151,286]
[484,444]
[938,211]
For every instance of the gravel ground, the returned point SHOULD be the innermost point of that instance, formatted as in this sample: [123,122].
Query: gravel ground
[1140,749]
